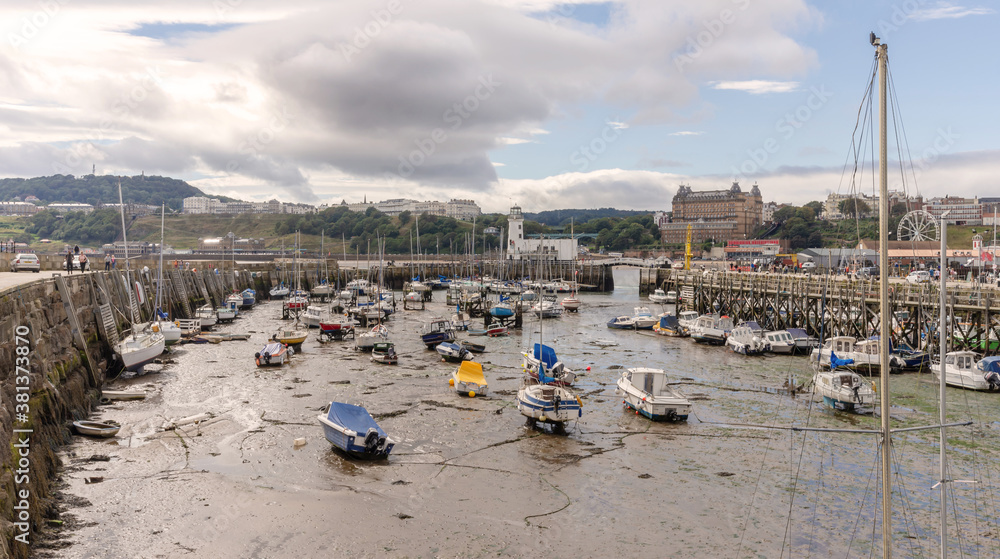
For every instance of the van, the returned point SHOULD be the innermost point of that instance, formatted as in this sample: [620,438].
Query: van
[868,272]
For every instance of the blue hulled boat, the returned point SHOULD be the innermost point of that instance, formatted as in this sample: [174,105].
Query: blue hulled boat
[438,332]
[353,430]
[249,298]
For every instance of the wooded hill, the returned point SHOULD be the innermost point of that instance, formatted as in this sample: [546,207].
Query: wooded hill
[94,190]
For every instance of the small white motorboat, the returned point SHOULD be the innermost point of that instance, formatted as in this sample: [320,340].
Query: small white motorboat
[843,389]
[206,315]
[962,370]
[103,429]
[743,340]
[454,352]
[779,341]
[658,296]
[313,316]
[548,403]
[648,393]
[353,430]
[643,319]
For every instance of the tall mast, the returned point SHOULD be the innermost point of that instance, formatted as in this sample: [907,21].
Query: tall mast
[159,272]
[942,447]
[883,262]
[128,270]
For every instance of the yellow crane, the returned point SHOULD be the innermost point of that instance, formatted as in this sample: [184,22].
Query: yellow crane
[687,249]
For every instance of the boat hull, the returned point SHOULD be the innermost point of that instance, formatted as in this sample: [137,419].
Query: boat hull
[540,403]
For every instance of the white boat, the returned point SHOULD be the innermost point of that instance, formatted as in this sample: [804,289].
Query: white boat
[864,354]
[226,313]
[468,379]
[643,319]
[843,389]
[804,343]
[962,370]
[454,352]
[779,341]
[170,330]
[206,315]
[688,319]
[413,297]
[546,309]
[571,303]
[359,286]
[658,296]
[648,393]
[103,429]
[313,316]
[280,291]
[712,329]
[742,340]
[346,295]
[365,341]
[548,403]
[272,355]
[671,297]
[543,357]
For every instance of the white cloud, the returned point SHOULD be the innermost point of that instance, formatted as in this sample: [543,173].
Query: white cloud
[686,133]
[947,10]
[757,87]
[617,125]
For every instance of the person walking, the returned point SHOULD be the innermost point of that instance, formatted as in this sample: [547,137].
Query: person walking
[83,263]
[114,262]
[107,262]
[76,249]
[69,262]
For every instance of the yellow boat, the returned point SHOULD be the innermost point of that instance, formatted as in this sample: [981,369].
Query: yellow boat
[469,379]
[291,336]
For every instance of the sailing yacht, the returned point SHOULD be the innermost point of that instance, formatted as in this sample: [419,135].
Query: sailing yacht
[142,344]
[171,332]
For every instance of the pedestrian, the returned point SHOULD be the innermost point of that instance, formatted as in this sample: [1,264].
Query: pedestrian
[83,263]
[69,262]
[76,249]
[107,262]
[114,261]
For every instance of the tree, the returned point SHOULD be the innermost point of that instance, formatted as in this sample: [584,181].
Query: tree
[854,207]
[816,206]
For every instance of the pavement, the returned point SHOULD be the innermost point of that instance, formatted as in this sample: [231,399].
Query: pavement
[14,279]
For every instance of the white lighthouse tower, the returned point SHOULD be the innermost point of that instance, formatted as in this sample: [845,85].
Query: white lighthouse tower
[515,228]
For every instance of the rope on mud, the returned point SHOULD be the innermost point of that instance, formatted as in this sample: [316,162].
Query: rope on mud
[560,509]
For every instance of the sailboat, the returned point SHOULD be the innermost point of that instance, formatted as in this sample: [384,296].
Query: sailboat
[281,290]
[571,302]
[294,335]
[171,332]
[142,344]
[324,289]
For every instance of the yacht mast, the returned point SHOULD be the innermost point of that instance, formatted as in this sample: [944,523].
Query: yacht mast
[884,331]
[942,447]
[128,269]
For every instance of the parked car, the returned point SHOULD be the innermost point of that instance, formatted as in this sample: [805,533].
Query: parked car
[868,272]
[808,265]
[918,276]
[25,262]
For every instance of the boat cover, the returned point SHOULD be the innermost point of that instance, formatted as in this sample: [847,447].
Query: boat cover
[355,418]
[752,324]
[669,322]
[470,371]
[836,362]
[989,365]
[548,355]
[272,349]
[797,333]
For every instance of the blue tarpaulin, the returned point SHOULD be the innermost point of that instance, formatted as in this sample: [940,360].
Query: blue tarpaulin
[835,362]
[355,418]
[548,355]
[989,364]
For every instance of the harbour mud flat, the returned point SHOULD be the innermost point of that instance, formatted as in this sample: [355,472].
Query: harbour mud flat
[467,478]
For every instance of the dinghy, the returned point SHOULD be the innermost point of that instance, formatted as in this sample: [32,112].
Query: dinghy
[353,430]
[273,354]
[453,352]
[385,353]
[647,392]
[468,379]
[103,429]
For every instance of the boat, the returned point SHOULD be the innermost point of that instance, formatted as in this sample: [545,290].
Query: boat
[669,325]
[843,389]
[358,286]
[207,316]
[804,343]
[385,353]
[119,395]
[571,303]
[529,295]
[336,329]
[494,331]
[658,296]
[647,391]
[864,354]
[547,402]
[543,357]
[451,351]
[621,323]
[905,357]
[742,340]
[438,331]
[279,291]
[688,319]
[671,297]
[779,341]
[504,309]
[354,431]
[103,429]
[460,321]
[476,331]
[249,298]
[291,336]
[963,371]
[170,330]
[365,341]
[468,379]
[313,316]
[273,354]
[643,319]
[226,312]
[546,308]
[473,346]
[712,329]
[142,344]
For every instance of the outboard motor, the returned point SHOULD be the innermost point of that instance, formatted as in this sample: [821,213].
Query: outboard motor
[993,378]
[267,357]
[372,441]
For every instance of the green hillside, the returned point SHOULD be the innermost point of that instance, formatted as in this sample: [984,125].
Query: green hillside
[90,189]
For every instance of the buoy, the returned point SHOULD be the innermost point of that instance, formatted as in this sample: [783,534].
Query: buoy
[472,394]
[542,418]
[451,382]
[588,367]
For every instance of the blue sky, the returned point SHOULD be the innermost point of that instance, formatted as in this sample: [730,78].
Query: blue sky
[543,104]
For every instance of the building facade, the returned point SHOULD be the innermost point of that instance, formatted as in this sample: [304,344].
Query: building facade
[964,211]
[18,208]
[520,248]
[69,207]
[717,215]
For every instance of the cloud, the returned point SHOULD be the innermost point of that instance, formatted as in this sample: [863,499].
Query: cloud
[686,133]
[757,87]
[947,10]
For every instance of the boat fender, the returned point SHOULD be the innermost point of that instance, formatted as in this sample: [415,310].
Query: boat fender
[256,355]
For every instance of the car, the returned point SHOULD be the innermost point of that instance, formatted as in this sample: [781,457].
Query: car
[808,265]
[918,276]
[26,261]
[868,272]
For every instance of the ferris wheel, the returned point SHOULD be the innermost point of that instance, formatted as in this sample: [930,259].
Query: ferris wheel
[918,225]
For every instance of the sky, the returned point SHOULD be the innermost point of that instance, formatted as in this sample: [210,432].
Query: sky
[546,105]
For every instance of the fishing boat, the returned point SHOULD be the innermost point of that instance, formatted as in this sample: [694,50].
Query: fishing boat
[366,341]
[313,316]
[712,329]
[643,318]
[336,329]
[249,298]
[742,340]
[227,311]
[206,316]
[453,352]
[688,319]
[354,431]
[647,392]
[658,296]
[670,326]
[843,389]
[962,371]
[621,323]
[102,429]
[273,354]
[543,358]
[671,297]
[438,331]
[779,341]
[804,343]
[385,353]
[469,380]
[142,344]
[291,336]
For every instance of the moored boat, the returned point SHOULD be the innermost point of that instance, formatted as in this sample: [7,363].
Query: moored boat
[658,296]
[313,316]
[670,326]
[438,331]
[451,351]
[621,323]
[102,429]
[843,389]
[354,431]
[469,380]
[543,357]
[742,340]
[548,403]
[962,371]
[779,341]
[385,353]
[249,298]
[140,347]
[291,336]
[647,391]
[272,354]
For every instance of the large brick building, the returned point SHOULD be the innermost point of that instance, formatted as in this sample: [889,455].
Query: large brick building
[719,215]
